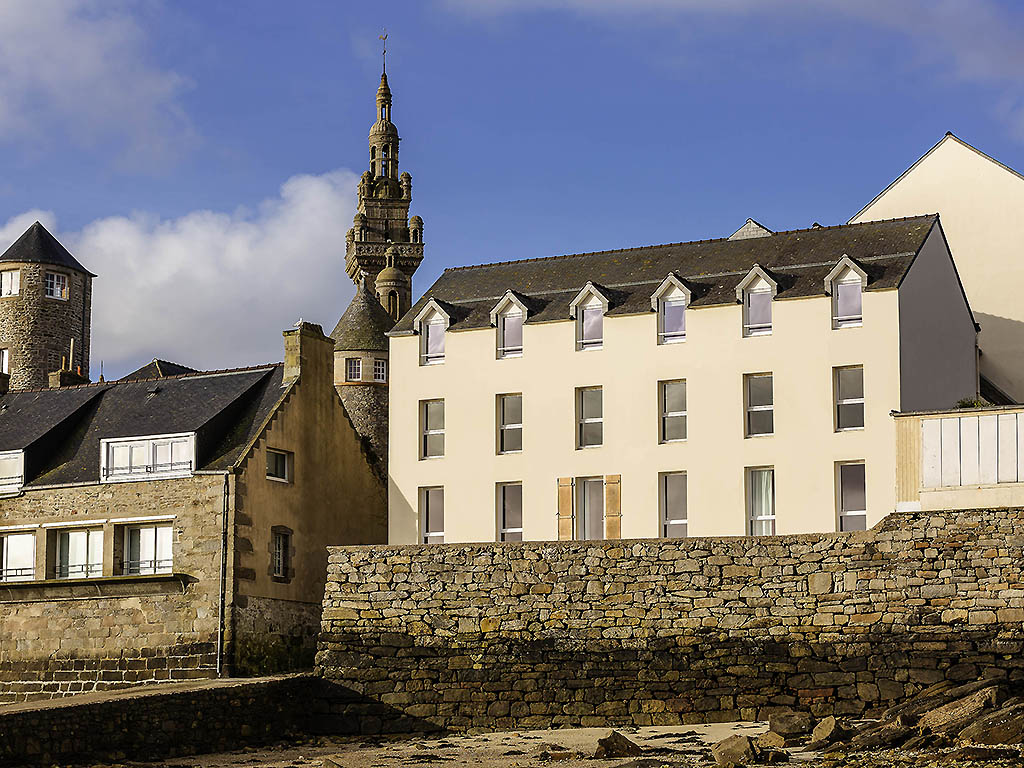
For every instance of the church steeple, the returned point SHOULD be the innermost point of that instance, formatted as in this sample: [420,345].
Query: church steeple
[382,221]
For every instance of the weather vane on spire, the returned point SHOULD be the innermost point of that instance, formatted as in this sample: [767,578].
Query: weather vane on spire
[384,39]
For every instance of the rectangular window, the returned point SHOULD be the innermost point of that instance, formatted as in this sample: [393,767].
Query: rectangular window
[11,471]
[510,423]
[849,388]
[760,404]
[380,370]
[846,304]
[147,549]
[672,321]
[432,421]
[353,369]
[757,313]
[673,411]
[673,505]
[433,342]
[5,361]
[56,285]
[589,519]
[590,417]
[591,327]
[761,501]
[432,515]
[17,557]
[282,554]
[147,458]
[279,465]
[510,512]
[10,282]
[510,335]
[853,514]
[79,553]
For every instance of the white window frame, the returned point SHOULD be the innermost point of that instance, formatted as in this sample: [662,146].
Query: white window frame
[850,400]
[509,305]
[10,282]
[288,461]
[430,537]
[8,574]
[380,370]
[757,281]
[842,512]
[505,351]
[749,409]
[150,470]
[5,360]
[425,432]
[156,565]
[759,329]
[589,299]
[12,484]
[90,569]
[666,519]
[353,369]
[581,421]
[580,518]
[671,292]
[666,414]
[751,518]
[57,287]
[503,531]
[845,272]
[670,337]
[851,321]
[433,316]
[504,427]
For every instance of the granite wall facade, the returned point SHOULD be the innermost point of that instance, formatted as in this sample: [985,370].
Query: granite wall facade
[674,631]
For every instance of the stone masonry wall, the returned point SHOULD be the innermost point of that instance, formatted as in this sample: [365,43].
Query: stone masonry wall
[273,636]
[663,631]
[59,637]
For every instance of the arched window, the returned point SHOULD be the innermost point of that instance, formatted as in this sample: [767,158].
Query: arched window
[373,152]
[392,303]
[383,113]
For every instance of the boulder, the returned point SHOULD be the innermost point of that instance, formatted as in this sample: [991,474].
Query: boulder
[770,740]
[959,713]
[829,731]
[614,744]
[791,723]
[738,749]
[1003,726]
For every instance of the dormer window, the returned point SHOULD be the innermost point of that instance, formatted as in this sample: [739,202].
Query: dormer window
[756,292]
[12,471]
[588,308]
[431,324]
[670,302]
[155,457]
[508,317]
[846,283]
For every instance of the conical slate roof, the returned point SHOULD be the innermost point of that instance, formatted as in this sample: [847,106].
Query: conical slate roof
[37,246]
[364,325]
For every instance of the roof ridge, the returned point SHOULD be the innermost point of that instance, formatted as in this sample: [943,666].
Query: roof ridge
[114,382]
[818,228]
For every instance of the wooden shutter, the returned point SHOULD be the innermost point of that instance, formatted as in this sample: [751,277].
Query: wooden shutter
[564,508]
[613,506]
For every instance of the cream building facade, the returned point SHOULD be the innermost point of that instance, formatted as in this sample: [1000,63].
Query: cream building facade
[981,202]
[726,387]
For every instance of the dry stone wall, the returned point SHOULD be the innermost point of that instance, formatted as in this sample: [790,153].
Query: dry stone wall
[675,631]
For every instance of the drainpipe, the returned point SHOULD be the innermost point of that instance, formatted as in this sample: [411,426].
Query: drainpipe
[223,578]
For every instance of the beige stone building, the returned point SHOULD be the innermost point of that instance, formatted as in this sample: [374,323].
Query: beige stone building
[174,524]
[723,387]
[981,202]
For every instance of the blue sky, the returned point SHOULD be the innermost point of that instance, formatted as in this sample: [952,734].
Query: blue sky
[201,156]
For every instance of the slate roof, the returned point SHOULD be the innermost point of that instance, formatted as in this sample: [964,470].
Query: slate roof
[226,410]
[157,369]
[798,260]
[364,326]
[37,246]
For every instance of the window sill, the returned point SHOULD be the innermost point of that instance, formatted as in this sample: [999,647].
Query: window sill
[593,348]
[431,458]
[670,442]
[508,453]
[588,447]
[94,587]
[761,434]
[283,480]
[849,429]
[146,477]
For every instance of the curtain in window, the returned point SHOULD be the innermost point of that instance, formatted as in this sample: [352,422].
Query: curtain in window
[762,502]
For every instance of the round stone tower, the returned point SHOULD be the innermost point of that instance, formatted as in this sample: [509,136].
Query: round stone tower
[361,370]
[393,287]
[45,311]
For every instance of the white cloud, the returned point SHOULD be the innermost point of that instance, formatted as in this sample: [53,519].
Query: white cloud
[209,289]
[79,71]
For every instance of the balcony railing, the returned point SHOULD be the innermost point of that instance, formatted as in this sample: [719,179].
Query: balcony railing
[162,565]
[148,469]
[11,480]
[79,570]
[17,574]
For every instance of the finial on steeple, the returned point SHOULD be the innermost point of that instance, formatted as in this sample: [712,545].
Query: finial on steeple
[384,39]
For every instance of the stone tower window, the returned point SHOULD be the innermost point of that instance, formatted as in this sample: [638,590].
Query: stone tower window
[56,286]
[10,282]
[373,153]
[393,303]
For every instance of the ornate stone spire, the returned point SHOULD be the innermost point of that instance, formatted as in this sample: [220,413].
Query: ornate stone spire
[382,221]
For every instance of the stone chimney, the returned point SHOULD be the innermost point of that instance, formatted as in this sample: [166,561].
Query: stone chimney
[308,355]
[64,378]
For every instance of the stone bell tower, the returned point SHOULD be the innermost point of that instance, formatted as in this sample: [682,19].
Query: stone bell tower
[383,234]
